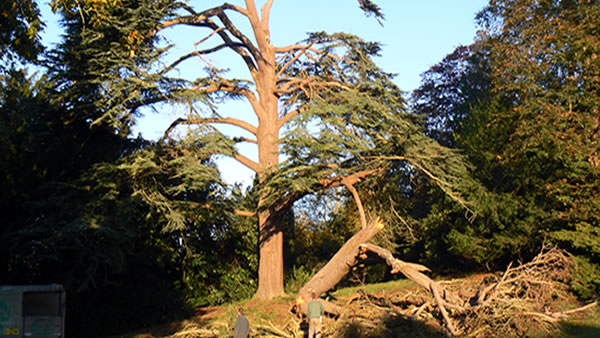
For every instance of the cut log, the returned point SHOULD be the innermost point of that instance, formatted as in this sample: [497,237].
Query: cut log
[337,267]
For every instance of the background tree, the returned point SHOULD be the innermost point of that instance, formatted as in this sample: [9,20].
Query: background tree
[70,214]
[19,32]
[552,79]
[534,137]
[450,89]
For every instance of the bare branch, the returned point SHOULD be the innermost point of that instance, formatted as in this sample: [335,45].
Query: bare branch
[292,48]
[234,122]
[202,19]
[351,179]
[225,120]
[245,213]
[301,86]
[359,205]
[236,32]
[252,165]
[196,18]
[188,8]
[244,139]
[308,85]
[248,59]
[198,53]
[289,199]
[436,294]
[285,119]
[217,84]
[302,50]
[209,36]
[266,13]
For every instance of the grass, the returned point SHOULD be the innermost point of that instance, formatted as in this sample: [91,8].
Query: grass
[587,325]
[401,284]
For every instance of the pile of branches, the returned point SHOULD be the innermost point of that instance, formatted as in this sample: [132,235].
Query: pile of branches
[521,298]
[508,303]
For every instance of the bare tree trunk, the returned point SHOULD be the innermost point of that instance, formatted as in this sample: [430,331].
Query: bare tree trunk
[337,267]
[270,271]
[270,267]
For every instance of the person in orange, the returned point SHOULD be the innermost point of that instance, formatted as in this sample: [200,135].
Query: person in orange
[316,310]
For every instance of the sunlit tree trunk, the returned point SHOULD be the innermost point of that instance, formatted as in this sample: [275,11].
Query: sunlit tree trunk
[270,271]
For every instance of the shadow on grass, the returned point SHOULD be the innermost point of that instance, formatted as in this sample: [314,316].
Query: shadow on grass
[391,326]
[170,328]
[580,330]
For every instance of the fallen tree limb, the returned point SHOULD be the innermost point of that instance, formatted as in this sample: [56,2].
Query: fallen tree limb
[413,272]
[491,290]
[268,327]
[579,309]
[509,305]
[337,267]
[436,294]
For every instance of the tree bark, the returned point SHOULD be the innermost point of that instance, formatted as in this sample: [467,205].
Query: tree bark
[270,271]
[270,267]
[337,267]
[412,271]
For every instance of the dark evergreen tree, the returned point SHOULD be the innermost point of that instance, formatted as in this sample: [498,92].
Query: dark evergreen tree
[534,136]
[545,59]
[20,26]
[71,216]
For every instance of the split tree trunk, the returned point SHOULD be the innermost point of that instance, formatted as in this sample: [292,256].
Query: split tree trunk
[337,267]
[349,255]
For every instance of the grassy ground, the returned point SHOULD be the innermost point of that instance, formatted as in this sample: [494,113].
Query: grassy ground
[365,315]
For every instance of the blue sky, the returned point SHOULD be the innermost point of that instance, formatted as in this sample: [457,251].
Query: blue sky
[415,35]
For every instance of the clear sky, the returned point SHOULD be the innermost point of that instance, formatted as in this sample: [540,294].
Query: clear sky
[416,34]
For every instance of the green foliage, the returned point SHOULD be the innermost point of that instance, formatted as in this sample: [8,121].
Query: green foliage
[69,217]
[555,110]
[77,217]
[532,135]
[116,43]
[185,198]
[586,280]
[44,151]
[20,26]
[297,278]
[362,127]
[371,8]
[113,64]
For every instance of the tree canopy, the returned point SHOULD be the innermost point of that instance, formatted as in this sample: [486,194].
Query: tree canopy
[19,32]
[529,123]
